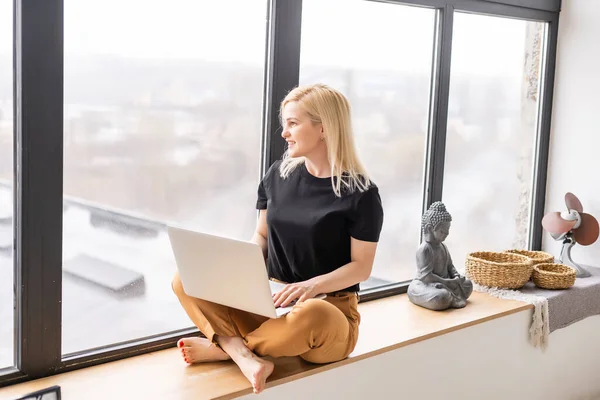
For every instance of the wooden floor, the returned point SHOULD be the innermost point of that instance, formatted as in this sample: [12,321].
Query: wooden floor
[387,324]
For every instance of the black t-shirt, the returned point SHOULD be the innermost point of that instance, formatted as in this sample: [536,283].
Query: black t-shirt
[309,227]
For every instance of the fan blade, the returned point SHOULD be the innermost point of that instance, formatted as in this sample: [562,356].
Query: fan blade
[554,224]
[573,202]
[588,231]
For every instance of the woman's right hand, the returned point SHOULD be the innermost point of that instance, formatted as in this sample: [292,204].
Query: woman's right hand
[295,292]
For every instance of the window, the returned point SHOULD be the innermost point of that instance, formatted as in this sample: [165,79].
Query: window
[162,124]
[384,68]
[6,182]
[492,126]
[170,108]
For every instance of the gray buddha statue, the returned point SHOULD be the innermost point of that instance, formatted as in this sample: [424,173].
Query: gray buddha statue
[437,286]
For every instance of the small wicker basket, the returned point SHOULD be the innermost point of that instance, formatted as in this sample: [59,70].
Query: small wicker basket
[553,276]
[498,269]
[538,257]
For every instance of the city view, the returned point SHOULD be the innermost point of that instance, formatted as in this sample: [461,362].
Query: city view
[150,141]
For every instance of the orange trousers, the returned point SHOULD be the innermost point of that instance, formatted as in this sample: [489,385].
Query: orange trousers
[319,331]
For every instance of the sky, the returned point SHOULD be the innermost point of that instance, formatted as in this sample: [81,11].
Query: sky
[364,35]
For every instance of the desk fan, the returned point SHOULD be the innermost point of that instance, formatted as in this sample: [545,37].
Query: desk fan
[572,226]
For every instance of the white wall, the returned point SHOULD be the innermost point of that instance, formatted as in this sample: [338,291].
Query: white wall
[488,361]
[575,138]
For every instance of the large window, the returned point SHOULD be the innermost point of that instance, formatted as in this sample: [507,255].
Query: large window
[132,115]
[162,124]
[492,126]
[6,180]
[384,68]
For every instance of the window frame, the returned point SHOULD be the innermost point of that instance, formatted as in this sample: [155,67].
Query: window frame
[38,49]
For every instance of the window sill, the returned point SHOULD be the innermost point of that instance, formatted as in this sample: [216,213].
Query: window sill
[387,324]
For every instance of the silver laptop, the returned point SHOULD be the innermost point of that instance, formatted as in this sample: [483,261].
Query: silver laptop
[225,271]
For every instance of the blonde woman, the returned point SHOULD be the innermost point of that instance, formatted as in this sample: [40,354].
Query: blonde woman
[319,223]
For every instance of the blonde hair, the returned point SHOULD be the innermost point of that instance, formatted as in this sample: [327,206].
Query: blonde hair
[330,108]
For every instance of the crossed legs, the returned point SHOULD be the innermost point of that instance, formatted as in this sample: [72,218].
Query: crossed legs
[319,331]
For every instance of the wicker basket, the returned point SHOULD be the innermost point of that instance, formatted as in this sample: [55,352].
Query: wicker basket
[553,276]
[538,257]
[498,269]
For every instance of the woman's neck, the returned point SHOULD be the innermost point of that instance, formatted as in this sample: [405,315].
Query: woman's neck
[318,166]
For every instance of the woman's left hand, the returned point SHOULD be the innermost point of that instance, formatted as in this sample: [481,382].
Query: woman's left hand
[301,291]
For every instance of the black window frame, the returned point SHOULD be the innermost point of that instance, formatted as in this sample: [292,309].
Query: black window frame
[38,150]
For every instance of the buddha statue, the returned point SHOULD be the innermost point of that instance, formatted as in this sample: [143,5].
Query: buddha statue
[437,286]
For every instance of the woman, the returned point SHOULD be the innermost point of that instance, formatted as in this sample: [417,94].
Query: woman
[319,224]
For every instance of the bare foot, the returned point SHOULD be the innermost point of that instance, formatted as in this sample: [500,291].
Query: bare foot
[255,369]
[195,350]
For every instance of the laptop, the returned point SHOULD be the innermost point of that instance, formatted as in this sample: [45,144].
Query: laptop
[225,271]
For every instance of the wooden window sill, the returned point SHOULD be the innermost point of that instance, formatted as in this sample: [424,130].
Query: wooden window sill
[387,324]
